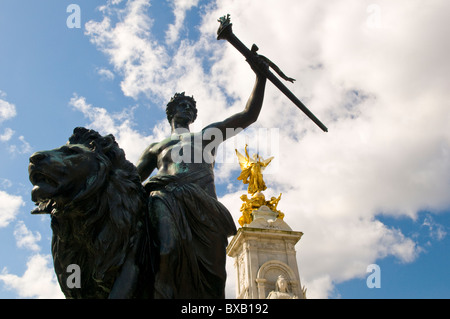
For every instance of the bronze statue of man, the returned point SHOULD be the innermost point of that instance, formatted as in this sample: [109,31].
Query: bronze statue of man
[190,226]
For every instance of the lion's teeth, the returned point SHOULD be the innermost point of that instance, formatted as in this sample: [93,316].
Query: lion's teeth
[42,208]
[45,205]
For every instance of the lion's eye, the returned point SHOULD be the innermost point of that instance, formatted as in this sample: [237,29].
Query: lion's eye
[70,150]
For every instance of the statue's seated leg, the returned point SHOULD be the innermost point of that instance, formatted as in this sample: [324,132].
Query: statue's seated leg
[165,231]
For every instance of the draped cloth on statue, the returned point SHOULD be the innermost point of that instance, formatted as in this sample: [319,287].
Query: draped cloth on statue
[190,228]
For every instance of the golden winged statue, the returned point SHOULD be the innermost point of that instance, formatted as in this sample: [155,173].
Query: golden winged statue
[251,174]
[251,171]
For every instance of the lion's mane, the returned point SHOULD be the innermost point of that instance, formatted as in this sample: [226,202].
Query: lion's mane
[102,223]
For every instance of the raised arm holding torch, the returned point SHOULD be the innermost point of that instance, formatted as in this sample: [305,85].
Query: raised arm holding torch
[225,33]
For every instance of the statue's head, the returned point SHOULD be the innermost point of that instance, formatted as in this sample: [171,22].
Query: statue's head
[180,99]
[282,284]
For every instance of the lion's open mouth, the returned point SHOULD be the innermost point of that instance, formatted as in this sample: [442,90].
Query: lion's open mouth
[44,189]
[37,177]
[45,186]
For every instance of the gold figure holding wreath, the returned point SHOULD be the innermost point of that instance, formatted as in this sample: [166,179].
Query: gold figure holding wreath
[251,174]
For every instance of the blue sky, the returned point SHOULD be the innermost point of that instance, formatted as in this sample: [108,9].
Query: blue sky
[373,190]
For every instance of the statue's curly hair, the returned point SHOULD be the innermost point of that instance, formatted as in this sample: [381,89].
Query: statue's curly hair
[177,98]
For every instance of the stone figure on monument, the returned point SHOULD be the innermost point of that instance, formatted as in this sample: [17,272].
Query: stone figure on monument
[281,290]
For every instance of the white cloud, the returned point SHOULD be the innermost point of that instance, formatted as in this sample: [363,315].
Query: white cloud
[106,74]
[120,125]
[100,118]
[6,136]
[146,65]
[179,9]
[5,183]
[131,49]
[388,147]
[320,287]
[436,231]
[38,281]
[9,207]
[26,238]
[7,110]
[376,76]
[23,148]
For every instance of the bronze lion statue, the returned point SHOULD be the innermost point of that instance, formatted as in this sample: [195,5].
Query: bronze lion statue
[98,210]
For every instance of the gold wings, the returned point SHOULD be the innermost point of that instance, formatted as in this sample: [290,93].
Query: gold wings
[246,161]
[251,170]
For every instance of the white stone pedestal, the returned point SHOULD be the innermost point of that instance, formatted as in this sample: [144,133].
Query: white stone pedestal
[264,250]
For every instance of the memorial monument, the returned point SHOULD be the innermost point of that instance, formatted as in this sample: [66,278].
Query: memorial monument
[264,247]
[165,236]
